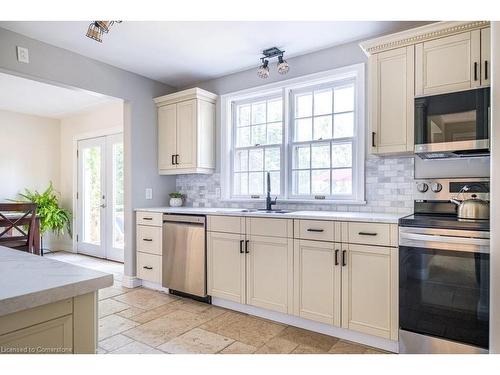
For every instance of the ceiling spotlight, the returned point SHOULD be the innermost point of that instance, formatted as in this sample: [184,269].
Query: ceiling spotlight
[97,28]
[283,66]
[263,71]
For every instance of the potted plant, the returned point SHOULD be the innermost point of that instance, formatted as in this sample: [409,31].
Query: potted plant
[176,199]
[52,217]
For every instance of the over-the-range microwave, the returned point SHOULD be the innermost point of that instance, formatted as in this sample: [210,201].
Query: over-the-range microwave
[453,125]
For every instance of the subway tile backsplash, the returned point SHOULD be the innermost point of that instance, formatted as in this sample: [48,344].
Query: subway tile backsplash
[389,188]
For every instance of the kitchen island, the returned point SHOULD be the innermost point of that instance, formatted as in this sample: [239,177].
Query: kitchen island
[47,306]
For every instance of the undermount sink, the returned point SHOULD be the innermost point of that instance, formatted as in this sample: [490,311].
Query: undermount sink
[264,211]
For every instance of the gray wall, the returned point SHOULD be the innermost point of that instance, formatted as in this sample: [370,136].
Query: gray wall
[64,68]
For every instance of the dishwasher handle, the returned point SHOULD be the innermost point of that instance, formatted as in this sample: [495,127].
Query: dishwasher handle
[184,219]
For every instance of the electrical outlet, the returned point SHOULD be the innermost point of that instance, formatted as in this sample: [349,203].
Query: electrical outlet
[149,193]
[23,55]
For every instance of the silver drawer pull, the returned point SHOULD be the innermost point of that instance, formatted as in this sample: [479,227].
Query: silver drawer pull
[147,239]
[315,230]
[147,267]
[147,218]
[367,234]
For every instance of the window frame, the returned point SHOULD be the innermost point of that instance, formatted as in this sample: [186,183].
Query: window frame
[285,88]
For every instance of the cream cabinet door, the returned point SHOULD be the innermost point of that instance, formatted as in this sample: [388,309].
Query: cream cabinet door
[187,134]
[370,290]
[485,56]
[269,273]
[226,266]
[167,134]
[391,88]
[448,64]
[317,281]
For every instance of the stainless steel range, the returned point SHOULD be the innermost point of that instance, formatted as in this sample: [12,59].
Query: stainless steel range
[444,270]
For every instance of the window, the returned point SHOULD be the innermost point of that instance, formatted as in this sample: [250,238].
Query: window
[308,133]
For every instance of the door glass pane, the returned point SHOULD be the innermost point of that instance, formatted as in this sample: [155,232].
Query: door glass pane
[91,195]
[118,218]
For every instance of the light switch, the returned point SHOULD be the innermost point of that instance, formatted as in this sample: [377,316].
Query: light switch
[23,55]
[149,193]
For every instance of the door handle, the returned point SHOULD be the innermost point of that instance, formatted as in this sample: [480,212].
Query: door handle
[344,262]
[485,69]
[241,246]
[337,257]
[373,139]
[367,234]
[148,267]
[315,230]
[475,71]
[246,246]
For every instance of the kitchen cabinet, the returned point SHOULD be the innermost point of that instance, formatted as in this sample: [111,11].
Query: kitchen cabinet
[370,290]
[186,132]
[485,56]
[391,94]
[149,246]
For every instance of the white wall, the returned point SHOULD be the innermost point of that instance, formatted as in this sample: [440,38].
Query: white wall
[29,153]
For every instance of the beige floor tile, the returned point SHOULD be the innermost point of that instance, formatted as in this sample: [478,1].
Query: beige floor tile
[130,312]
[347,347]
[111,292]
[376,351]
[306,338]
[247,329]
[304,349]
[277,345]
[113,324]
[145,298]
[239,348]
[196,341]
[114,342]
[136,348]
[155,313]
[110,306]
[191,305]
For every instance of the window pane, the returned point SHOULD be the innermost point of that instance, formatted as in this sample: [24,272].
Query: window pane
[255,183]
[343,125]
[320,156]
[255,160]
[243,137]
[241,160]
[301,183]
[258,134]
[320,183]
[259,113]
[302,157]
[274,110]
[303,105]
[275,183]
[322,102]
[323,127]
[344,99]
[341,155]
[342,181]
[273,159]
[303,130]
[274,133]
[243,115]
[240,183]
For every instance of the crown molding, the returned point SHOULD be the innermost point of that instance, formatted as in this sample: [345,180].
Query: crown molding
[419,34]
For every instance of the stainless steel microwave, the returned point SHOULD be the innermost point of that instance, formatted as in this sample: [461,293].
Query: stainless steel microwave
[453,125]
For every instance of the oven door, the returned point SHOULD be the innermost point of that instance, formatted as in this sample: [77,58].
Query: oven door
[455,124]
[444,284]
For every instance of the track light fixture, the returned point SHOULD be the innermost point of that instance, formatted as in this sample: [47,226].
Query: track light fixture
[98,28]
[283,67]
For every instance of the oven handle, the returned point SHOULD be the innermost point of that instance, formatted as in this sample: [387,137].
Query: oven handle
[475,245]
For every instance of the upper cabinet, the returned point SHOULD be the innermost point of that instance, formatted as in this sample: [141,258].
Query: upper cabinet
[437,58]
[186,132]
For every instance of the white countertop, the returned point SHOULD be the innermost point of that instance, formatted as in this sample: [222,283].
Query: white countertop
[28,280]
[378,217]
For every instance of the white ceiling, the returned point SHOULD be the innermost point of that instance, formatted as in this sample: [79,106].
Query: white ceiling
[35,98]
[182,53]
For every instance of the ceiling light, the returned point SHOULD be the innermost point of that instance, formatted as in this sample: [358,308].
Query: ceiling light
[94,32]
[283,66]
[105,25]
[263,71]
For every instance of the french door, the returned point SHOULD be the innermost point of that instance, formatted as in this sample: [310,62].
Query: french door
[100,219]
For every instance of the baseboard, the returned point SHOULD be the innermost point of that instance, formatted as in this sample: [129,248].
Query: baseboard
[361,338]
[131,281]
[155,286]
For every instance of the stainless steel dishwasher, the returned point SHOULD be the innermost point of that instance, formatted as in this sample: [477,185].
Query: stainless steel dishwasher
[184,255]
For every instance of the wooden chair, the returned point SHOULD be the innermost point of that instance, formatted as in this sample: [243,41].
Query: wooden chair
[17,222]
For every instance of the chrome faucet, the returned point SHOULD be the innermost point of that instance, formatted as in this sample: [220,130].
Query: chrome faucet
[269,202]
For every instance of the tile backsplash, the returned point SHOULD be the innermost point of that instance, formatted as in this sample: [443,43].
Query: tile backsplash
[389,188]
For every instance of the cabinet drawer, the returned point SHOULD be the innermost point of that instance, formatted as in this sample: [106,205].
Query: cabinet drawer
[149,239]
[315,230]
[225,224]
[256,226]
[149,267]
[369,233]
[150,218]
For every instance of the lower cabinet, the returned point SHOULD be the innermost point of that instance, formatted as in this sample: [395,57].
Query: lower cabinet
[369,290]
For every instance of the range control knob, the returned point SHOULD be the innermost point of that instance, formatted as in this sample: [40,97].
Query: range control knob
[436,187]
[422,187]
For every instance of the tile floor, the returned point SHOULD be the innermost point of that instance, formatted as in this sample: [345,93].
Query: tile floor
[143,321]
